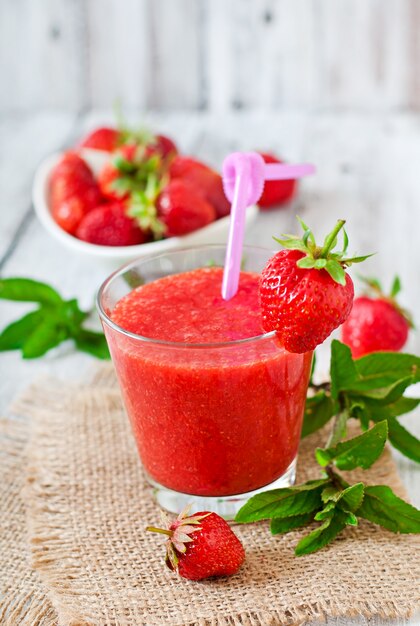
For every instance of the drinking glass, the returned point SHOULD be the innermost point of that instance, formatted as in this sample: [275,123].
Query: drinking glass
[214,423]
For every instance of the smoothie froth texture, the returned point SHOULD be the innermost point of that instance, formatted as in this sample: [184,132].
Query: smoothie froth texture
[212,420]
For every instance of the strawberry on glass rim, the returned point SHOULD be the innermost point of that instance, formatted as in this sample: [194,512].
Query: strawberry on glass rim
[305,292]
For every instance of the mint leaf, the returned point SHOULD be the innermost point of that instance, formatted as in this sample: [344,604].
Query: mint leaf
[283,502]
[28,290]
[46,336]
[318,411]
[327,511]
[14,335]
[351,497]
[285,524]
[389,394]
[381,506]
[323,535]
[361,451]
[378,412]
[402,440]
[342,370]
[381,369]
[53,322]
[92,343]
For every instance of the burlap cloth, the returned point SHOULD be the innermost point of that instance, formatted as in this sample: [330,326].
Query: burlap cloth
[93,564]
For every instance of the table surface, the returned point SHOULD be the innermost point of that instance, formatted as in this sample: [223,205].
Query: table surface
[368,173]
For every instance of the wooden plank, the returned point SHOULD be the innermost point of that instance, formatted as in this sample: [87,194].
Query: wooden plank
[118,53]
[361,50]
[42,45]
[25,141]
[175,54]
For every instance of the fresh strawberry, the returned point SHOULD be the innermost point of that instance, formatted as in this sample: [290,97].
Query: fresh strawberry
[201,546]
[182,208]
[127,172]
[204,178]
[376,323]
[106,139]
[163,146]
[109,225]
[276,192]
[73,191]
[304,291]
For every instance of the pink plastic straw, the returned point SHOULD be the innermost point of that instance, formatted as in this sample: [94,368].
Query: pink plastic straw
[244,174]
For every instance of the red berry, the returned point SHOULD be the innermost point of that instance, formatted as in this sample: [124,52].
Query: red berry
[106,139]
[118,169]
[374,324]
[201,546]
[183,209]
[108,225]
[73,191]
[276,192]
[304,306]
[205,179]
[163,146]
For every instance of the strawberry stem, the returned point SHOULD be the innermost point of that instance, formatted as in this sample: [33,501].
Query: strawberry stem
[162,531]
[330,239]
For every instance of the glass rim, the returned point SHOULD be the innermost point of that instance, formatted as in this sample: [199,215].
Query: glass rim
[172,344]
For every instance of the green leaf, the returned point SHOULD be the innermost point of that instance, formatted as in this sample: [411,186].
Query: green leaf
[292,243]
[339,429]
[381,369]
[386,395]
[14,335]
[331,492]
[373,283]
[336,272]
[351,498]
[351,519]
[92,343]
[323,535]
[318,411]
[306,263]
[342,369]
[396,287]
[378,412]
[381,506]
[402,440]
[283,502]
[46,336]
[27,290]
[285,524]
[361,451]
[327,511]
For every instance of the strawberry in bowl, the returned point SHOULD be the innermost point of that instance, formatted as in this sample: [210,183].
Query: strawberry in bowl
[117,197]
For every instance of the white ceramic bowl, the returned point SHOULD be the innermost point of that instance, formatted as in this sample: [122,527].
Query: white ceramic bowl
[216,232]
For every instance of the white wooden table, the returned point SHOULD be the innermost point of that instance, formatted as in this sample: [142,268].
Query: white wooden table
[368,172]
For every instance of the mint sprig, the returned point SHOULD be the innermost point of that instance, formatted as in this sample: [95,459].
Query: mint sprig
[370,390]
[53,321]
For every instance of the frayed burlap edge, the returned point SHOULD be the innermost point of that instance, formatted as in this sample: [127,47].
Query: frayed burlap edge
[22,598]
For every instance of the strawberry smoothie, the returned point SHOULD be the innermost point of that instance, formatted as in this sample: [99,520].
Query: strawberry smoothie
[215,405]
